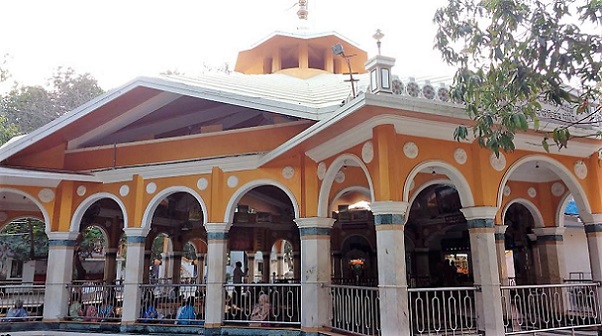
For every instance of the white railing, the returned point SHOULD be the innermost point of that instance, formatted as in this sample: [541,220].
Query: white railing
[442,311]
[355,309]
[165,303]
[263,304]
[528,309]
[94,302]
[26,300]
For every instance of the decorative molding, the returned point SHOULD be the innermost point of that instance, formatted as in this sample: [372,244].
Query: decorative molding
[460,156]
[497,162]
[479,223]
[580,169]
[593,228]
[288,172]
[314,222]
[389,207]
[135,239]
[217,235]
[389,219]
[321,171]
[532,192]
[557,189]
[46,195]
[202,183]
[124,190]
[314,231]
[507,190]
[410,150]
[232,181]
[81,190]
[368,152]
[151,188]
[479,212]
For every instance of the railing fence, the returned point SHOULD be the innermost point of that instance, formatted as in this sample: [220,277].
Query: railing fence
[28,296]
[95,302]
[355,309]
[166,303]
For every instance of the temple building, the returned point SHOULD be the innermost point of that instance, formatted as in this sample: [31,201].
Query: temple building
[312,184]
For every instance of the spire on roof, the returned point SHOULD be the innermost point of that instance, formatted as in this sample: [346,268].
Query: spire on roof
[302,12]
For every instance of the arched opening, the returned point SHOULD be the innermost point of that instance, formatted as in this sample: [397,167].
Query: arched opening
[519,243]
[263,253]
[439,255]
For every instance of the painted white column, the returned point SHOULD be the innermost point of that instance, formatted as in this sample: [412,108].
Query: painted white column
[61,246]
[481,229]
[217,241]
[500,245]
[315,272]
[551,254]
[134,273]
[251,264]
[389,220]
[593,231]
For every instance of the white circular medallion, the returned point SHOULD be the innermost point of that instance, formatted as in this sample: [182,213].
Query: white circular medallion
[202,183]
[288,172]
[46,195]
[410,150]
[532,192]
[124,190]
[368,152]
[557,189]
[460,156]
[340,177]
[151,188]
[498,163]
[321,170]
[232,181]
[81,190]
[3,216]
[507,191]
[580,169]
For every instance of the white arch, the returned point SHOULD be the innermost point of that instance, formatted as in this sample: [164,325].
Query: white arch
[427,184]
[36,202]
[229,215]
[83,206]
[561,207]
[561,171]
[155,201]
[537,217]
[455,176]
[360,189]
[335,166]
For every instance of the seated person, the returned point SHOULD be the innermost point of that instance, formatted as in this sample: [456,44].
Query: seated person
[17,312]
[186,314]
[107,309]
[76,310]
[149,310]
[90,313]
[261,311]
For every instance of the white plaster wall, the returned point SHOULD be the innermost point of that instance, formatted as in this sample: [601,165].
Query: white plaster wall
[575,251]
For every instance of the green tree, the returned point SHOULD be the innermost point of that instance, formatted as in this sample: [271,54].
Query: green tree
[31,107]
[512,55]
[26,238]
[7,130]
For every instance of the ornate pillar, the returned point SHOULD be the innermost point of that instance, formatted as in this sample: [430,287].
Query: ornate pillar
[280,265]
[200,270]
[61,246]
[315,272]
[217,241]
[593,231]
[389,219]
[551,254]
[337,272]
[251,264]
[267,277]
[110,265]
[481,229]
[297,265]
[500,247]
[147,266]
[134,273]
[176,260]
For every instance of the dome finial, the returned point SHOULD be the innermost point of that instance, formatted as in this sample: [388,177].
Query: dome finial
[302,12]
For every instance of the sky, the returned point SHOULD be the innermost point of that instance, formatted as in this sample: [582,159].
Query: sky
[118,40]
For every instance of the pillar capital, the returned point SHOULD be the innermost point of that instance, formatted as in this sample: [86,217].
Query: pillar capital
[136,232]
[479,212]
[549,233]
[500,231]
[592,218]
[314,222]
[217,231]
[63,236]
[389,208]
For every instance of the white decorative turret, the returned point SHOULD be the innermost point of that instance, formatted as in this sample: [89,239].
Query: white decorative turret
[379,68]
